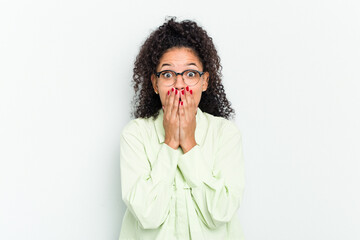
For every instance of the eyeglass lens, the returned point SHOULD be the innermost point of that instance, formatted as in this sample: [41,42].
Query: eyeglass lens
[190,77]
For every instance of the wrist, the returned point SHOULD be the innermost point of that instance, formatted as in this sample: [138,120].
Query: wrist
[188,145]
[172,144]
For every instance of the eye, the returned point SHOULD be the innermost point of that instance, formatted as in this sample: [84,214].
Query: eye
[167,74]
[191,74]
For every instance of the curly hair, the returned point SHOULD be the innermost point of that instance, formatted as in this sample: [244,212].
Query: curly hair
[146,103]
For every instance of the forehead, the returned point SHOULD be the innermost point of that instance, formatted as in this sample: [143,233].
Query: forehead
[179,57]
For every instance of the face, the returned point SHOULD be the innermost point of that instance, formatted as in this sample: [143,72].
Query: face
[178,60]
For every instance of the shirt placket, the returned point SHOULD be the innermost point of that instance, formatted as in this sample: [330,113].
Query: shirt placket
[182,230]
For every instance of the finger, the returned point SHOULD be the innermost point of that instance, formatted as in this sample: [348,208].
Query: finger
[178,113]
[182,111]
[185,99]
[175,104]
[184,94]
[168,107]
[192,101]
[166,100]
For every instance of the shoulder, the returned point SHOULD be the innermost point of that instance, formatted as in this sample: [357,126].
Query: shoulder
[137,126]
[222,125]
[226,133]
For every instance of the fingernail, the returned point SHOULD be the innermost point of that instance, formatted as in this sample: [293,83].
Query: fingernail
[190,91]
[182,92]
[187,88]
[168,92]
[172,89]
[182,103]
[176,91]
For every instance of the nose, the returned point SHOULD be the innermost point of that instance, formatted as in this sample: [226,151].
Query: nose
[179,84]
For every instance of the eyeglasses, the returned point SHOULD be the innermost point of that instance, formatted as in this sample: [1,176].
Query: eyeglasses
[190,77]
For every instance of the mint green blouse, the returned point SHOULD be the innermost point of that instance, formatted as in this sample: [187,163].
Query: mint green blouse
[172,195]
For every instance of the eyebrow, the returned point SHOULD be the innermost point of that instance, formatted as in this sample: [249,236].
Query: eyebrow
[167,64]
[192,64]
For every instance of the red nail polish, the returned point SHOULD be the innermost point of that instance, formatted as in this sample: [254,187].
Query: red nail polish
[172,89]
[182,103]
[176,91]
[187,88]
[183,91]
[168,92]
[190,91]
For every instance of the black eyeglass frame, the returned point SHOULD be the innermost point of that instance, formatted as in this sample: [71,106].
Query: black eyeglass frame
[182,73]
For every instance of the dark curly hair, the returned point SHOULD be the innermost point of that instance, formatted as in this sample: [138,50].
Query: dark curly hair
[146,102]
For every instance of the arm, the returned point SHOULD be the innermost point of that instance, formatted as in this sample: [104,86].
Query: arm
[146,188]
[216,192]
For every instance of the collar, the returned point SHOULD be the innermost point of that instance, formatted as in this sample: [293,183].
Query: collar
[200,130]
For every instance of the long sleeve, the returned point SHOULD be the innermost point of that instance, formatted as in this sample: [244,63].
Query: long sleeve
[146,185]
[216,191]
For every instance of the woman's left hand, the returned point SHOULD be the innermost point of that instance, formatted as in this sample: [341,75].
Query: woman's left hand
[187,112]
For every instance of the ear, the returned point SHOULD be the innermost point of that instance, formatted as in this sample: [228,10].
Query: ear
[153,81]
[205,82]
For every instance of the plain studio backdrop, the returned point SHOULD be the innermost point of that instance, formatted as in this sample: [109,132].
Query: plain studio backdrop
[290,70]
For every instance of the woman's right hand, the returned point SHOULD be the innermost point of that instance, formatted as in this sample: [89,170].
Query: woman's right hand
[171,120]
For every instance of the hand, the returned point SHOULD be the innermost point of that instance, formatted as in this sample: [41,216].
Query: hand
[171,119]
[187,112]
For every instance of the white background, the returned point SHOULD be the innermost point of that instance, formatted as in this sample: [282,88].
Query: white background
[291,71]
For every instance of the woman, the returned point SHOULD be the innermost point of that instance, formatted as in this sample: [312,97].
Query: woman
[181,158]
